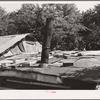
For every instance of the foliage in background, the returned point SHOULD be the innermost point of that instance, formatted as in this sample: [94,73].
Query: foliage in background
[72,30]
[91,19]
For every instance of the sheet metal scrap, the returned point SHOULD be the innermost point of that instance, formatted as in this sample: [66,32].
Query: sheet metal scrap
[84,69]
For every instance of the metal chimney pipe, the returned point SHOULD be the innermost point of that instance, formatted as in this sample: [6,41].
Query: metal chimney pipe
[47,41]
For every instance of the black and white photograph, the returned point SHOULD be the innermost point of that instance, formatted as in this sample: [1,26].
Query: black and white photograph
[49,45]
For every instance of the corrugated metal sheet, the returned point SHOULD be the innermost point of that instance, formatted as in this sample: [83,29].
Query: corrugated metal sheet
[5,39]
[34,47]
[18,44]
[86,53]
[11,42]
[16,50]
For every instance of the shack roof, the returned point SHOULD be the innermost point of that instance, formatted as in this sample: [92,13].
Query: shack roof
[6,42]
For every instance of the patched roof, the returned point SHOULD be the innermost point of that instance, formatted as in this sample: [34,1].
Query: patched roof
[7,42]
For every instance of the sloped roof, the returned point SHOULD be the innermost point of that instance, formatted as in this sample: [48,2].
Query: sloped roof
[7,42]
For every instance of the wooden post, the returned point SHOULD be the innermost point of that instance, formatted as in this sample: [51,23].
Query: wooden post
[47,41]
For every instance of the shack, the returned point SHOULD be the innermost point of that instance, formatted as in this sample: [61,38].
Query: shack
[21,66]
[18,44]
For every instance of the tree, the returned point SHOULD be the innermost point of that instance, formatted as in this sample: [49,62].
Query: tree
[31,18]
[3,21]
[67,24]
[91,19]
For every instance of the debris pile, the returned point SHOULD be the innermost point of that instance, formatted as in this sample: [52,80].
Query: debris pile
[18,62]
